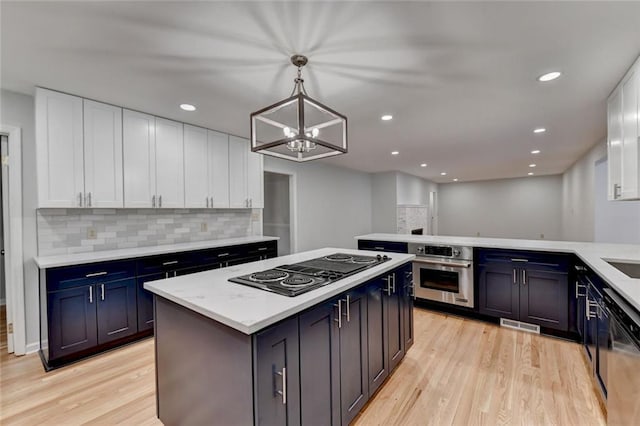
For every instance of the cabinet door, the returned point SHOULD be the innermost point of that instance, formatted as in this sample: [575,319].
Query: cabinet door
[116,304]
[138,141]
[630,136]
[353,355]
[319,366]
[407,306]
[277,380]
[396,343]
[145,302]
[255,180]
[238,150]
[169,164]
[72,321]
[103,175]
[196,168]
[544,299]
[614,144]
[59,149]
[219,169]
[377,334]
[499,290]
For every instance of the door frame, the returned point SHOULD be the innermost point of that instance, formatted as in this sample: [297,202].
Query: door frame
[293,204]
[14,261]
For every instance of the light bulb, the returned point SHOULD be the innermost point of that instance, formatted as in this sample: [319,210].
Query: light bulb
[315,132]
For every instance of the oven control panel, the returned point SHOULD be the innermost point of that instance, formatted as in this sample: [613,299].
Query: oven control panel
[453,252]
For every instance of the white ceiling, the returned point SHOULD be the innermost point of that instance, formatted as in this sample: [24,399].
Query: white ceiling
[459,78]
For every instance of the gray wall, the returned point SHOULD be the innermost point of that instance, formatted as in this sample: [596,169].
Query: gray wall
[413,190]
[18,110]
[506,208]
[333,204]
[383,203]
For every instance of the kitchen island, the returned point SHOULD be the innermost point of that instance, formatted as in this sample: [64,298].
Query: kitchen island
[233,354]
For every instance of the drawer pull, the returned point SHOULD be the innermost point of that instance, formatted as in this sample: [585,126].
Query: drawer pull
[96,274]
[172,262]
[263,248]
[223,254]
[519,260]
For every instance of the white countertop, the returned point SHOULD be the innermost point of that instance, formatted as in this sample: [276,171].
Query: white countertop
[45,262]
[592,254]
[249,309]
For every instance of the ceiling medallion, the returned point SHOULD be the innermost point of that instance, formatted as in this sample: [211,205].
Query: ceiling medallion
[298,128]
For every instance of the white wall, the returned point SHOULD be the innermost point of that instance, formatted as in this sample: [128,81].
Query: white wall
[383,203]
[506,208]
[18,110]
[413,190]
[615,221]
[333,204]
[578,195]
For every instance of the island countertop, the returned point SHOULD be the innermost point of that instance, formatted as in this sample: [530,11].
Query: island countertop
[249,309]
[595,255]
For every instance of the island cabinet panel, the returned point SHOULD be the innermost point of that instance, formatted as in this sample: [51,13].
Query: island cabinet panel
[407,294]
[277,375]
[544,299]
[394,323]
[377,334]
[320,366]
[204,369]
[499,293]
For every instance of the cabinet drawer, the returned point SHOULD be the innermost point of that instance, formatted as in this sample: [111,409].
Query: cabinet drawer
[218,255]
[164,263]
[75,276]
[542,261]
[261,248]
[393,247]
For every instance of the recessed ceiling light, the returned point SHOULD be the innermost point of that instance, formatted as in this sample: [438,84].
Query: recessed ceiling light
[535,151]
[539,130]
[395,152]
[530,173]
[386,117]
[187,107]
[423,165]
[455,180]
[443,173]
[532,165]
[549,76]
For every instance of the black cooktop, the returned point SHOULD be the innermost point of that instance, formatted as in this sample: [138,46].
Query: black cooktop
[298,278]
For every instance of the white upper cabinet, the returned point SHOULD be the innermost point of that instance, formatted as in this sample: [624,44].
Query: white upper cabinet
[623,137]
[255,184]
[169,164]
[138,136]
[238,149]
[196,167]
[59,149]
[218,169]
[103,177]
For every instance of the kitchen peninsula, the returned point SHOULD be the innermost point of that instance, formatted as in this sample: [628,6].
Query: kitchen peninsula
[228,353]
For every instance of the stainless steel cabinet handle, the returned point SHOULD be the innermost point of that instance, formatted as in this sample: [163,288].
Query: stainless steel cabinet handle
[616,190]
[172,262]
[347,303]
[339,320]
[166,274]
[283,392]
[387,288]
[160,201]
[262,248]
[96,274]
[80,199]
[515,276]
[588,312]
[393,277]
[101,291]
[91,294]
[211,202]
[223,254]
[89,204]
[524,277]
[412,293]
[379,248]
[578,287]
[519,260]
[580,268]
[153,201]
[207,201]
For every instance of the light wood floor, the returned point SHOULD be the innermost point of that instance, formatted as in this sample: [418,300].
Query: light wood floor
[458,372]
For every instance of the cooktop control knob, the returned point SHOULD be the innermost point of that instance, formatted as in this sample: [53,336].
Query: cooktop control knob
[385,257]
[379,257]
[420,249]
[456,252]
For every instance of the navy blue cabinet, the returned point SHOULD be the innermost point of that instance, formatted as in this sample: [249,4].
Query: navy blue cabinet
[407,294]
[394,319]
[531,287]
[377,333]
[390,246]
[277,375]
[116,310]
[72,321]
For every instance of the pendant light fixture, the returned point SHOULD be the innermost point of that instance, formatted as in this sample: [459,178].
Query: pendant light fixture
[298,128]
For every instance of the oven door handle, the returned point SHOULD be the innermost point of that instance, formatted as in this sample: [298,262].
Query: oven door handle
[438,262]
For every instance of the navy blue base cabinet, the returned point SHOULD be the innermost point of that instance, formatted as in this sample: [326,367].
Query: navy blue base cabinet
[89,308]
[531,287]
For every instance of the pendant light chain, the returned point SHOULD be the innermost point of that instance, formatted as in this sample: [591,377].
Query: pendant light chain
[299,84]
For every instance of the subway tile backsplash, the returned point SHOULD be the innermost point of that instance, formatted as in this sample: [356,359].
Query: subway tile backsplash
[68,231]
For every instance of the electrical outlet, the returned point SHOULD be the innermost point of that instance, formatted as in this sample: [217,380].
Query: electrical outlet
[204,227]
[92,234]
[255,216]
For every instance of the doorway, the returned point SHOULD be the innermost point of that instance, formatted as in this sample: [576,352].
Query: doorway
[278,210]
[4,148]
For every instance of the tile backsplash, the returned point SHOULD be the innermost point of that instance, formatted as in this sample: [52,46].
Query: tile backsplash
[67,231]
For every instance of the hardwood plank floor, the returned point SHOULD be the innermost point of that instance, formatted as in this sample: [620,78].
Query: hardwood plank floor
[459,372]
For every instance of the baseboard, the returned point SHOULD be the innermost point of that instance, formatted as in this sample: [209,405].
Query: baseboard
[32,347]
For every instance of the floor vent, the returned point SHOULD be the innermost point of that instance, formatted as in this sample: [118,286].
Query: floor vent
[517,325]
